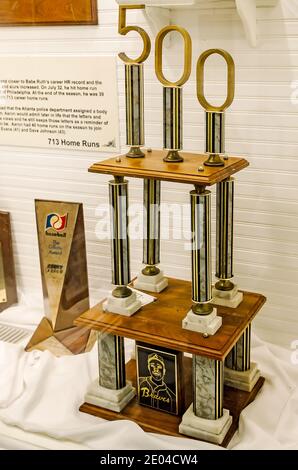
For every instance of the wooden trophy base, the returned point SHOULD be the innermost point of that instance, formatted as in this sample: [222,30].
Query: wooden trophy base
[160,324]
[163,423]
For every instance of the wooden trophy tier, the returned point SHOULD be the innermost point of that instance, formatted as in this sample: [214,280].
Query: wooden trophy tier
[190,171]
[159,323]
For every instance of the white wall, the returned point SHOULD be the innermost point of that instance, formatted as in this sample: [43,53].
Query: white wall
[262,125]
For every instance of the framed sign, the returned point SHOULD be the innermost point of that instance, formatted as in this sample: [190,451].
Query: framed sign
[8,286]
[59,102]
[48,12]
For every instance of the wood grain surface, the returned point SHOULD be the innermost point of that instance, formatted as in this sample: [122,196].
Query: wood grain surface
[160,323]
[153,167]
[39,12]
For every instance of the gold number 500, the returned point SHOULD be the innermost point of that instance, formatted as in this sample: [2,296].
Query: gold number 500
[123,29]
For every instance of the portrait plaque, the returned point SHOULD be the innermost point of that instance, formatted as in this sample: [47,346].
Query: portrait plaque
[63,263]
[47,12]
[159,378]
[8,286]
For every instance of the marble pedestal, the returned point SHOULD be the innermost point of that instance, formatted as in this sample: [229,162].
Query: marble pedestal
[155,283]
[126,306]
[231,298]
[208,324]
[242,380]
[207,429]
[114,400]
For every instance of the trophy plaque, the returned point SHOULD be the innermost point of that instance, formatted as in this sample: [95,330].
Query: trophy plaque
[63,263]
[8,287]
[158,378]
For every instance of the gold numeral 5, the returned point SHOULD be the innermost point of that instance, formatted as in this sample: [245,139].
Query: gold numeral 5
[123,30]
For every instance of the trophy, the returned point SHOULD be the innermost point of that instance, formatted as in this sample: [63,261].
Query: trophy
[8,289]
[62,251]
[183,317]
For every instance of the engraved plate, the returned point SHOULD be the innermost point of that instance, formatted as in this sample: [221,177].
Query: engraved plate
[159,378]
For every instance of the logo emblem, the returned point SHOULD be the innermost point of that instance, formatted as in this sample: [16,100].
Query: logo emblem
[56,222]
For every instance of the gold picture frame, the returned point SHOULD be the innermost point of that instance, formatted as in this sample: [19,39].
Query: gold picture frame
[48,12]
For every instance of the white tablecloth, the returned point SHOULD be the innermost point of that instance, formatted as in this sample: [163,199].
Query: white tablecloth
[40,396]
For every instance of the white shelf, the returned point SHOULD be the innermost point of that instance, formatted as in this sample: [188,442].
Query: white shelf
[159,12]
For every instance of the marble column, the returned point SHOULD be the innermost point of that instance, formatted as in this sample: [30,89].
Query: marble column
[206,418]
[111,361]
[208,387]
[240,372]
[110,390]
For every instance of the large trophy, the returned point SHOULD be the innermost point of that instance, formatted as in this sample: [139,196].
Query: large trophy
[8,289]
[62,250]
[175,393]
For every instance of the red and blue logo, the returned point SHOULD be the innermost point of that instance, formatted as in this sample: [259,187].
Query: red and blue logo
[56,222]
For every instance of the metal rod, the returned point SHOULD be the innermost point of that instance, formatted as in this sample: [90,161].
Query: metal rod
[224,234]
[239,358]
[151,239]
[118,192]
[134,94]
[215,138]
[173,126]
[201,251]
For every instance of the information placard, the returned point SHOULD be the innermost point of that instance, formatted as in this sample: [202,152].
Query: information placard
[59,102]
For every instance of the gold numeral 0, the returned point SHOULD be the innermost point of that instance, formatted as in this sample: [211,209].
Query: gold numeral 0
[201,78]
[187,56]
[123,30]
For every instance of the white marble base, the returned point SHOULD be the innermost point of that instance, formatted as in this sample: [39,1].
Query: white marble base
[155,283]
[208,324]
[127,306]
[231,298]
[242,380]
[114,400]
[207,429]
